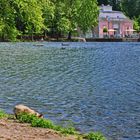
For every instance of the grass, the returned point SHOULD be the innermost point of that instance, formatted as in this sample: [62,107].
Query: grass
[95,136]
[44,123]
[3,114]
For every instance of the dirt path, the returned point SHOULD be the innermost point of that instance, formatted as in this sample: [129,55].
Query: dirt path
[12,130]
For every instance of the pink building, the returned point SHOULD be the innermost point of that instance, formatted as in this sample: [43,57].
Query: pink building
[115,22]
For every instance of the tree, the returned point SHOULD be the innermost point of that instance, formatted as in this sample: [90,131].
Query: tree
[37,16]
[105,30]
[60,23]
[8,30]
[28,16]
[105,2]
[88,13]
[48,10]
[115,4]
[71,14]
[137,24]
[131,8]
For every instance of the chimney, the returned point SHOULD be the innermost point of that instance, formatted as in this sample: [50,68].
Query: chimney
[107,8]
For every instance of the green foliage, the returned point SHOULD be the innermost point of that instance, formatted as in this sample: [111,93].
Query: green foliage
[3,114]
[105,30]
[26,118]
[31,17]
[115,4]
[35,121]
[105,2]
[137,24]
[69,130]
[8,30]
[63,25]
[131,8]
[79,138]
[44,123]
[48,10]
[95,136]
[65,16]
[40,122]
[88,13]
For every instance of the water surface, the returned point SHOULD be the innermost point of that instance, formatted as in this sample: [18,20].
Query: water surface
[94,85]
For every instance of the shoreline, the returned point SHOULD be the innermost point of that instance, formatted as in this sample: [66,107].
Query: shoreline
[76,39]
[13,130]
[30,127]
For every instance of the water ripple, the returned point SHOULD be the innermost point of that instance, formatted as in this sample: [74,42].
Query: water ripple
[94,85]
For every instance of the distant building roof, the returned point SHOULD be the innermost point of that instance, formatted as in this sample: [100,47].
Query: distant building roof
[107,12]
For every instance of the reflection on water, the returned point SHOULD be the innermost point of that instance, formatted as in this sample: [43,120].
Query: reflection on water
[94,85]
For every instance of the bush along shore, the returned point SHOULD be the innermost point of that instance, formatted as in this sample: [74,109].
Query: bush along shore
[45,123]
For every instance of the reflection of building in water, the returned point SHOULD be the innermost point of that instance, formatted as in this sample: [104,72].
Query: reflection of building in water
[115,23]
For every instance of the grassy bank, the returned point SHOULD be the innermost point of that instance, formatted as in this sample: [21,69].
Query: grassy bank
[44,123]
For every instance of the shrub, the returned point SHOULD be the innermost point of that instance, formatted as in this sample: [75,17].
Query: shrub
[26,118]
[44,123]
[95,136]
[40,122]
[69,130]
[3,114]
[105,30]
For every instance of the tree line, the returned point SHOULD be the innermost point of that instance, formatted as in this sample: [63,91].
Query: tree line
[33,17]
[131,8]
[57,17]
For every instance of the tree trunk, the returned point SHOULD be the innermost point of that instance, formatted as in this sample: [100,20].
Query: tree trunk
[57,37]
[3,37]
[69,35]
[32,37]
[44,33]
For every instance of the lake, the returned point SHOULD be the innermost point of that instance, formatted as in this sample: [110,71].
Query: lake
[93,86]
